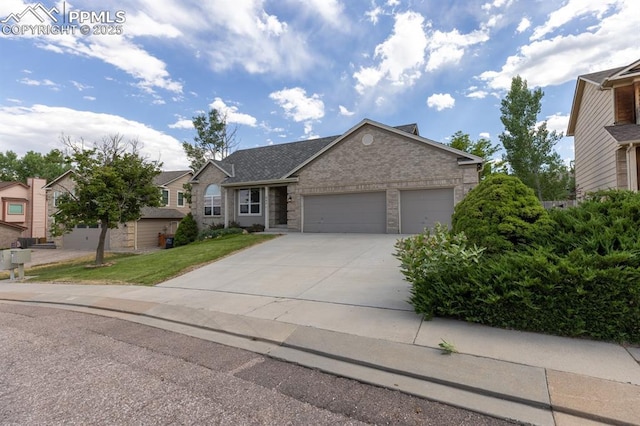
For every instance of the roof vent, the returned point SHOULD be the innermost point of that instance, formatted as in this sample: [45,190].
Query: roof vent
[367,139]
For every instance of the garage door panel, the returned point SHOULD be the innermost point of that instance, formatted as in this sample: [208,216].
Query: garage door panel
[424,208]
[358,212]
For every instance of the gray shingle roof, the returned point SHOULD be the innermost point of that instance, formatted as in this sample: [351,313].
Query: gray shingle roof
[624,132]
[166,177]
[273,161]
[600,76]
[161,213]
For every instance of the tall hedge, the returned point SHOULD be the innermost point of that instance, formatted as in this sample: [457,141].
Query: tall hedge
[501,213]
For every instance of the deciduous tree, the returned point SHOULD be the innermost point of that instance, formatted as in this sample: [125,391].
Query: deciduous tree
[33,164]
[481,148]
[529,144]
[214,139]
[112,182]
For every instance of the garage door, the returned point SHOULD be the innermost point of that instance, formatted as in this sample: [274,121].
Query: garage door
[421,209]
[360,212]
[84,238]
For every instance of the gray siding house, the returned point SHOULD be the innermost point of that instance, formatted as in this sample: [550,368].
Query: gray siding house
[605,125]
[372,179]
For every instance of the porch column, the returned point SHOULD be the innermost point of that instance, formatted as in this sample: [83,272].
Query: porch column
[226,207]
[266,208]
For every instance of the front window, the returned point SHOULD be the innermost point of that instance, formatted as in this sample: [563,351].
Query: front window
[165,197]
[249,201]
[180,199]
[15,209]
[56,196]
[212,201]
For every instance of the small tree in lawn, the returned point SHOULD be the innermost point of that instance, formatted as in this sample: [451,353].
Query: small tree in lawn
[112,183]
[481,148]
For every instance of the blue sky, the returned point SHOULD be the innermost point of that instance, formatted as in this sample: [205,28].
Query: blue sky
[290,70]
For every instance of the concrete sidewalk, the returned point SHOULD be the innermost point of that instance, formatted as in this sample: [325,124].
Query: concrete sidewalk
[528,377]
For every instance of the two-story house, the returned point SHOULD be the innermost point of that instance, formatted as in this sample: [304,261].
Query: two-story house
[23,211]
[605,125]
[147,232]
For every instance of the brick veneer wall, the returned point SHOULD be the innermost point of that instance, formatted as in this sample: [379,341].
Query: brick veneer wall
[390,163]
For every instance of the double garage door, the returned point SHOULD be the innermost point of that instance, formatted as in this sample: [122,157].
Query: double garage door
[366,212]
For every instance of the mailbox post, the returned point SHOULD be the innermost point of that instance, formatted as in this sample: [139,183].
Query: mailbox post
[15,258]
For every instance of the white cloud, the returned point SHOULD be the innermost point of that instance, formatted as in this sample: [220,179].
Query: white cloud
[477,94]
[344,111]
[38,127]
[89,98]
[570,11]
[373,14]
[80,86]
[393,3]
[400,55]
[232,115]
[485,135]
[331,11]
[32,82]
[557,122]
[308,131]
[440,101]
[523,25]
[447,48]
[298,105]
[182,124]
[496,4]
[562,58]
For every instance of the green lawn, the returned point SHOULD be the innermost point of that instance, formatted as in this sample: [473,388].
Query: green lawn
[145,269]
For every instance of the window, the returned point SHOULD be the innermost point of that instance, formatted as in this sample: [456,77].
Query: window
[180,199]
[625,105]
[56,196]
[165,197]
[15,208]
[212,201]
[249,201]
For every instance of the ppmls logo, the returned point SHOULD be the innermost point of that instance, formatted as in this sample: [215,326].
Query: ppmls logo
[36,11]
[38,20]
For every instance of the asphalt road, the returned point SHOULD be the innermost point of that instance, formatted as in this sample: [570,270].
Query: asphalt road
[63,367]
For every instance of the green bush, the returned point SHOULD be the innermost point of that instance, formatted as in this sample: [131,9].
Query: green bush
[501,213]
[215,232]
[187,231]
[435,263]
[579,276]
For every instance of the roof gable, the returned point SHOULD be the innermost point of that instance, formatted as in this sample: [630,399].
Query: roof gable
[5,185]
[165,178]
[605,78]
[465,157]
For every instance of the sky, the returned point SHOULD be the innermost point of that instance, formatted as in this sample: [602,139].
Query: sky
[291,70]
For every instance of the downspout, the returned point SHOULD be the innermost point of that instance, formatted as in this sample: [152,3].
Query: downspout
[632,167]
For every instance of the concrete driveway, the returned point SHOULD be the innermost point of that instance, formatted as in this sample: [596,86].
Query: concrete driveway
[350,269]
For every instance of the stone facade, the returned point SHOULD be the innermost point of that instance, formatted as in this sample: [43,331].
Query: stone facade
[210,175]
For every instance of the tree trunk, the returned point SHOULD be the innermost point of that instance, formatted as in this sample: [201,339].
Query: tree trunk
[104,227]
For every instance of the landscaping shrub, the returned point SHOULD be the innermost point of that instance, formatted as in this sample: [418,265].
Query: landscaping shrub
[256,227]
[187,231]
[215,232]
[436,264]
[579,276]
[501,214]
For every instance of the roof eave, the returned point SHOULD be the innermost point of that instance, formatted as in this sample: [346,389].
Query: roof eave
[260,182]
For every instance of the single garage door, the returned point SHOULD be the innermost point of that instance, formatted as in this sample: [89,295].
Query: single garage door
[423,208]
[84,238]
[364,212]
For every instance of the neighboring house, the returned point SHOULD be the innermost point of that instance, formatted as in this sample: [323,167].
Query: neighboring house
[23,212]
[605,125]
[373,178]
[141,234]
